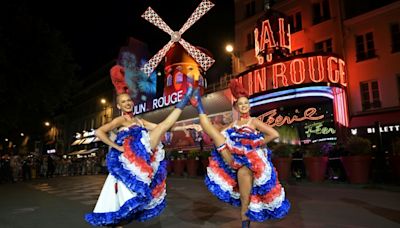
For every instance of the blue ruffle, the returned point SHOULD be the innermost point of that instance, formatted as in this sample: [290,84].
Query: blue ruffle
[151,213]
[263,215]
[132,131]
[160,175]
[222,195]
[236,137]
[126,212]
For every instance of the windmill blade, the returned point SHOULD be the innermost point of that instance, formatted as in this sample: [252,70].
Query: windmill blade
[156,59]
[201,9]
[201,58]
[151,16]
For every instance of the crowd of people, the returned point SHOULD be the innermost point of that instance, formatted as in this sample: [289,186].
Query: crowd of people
[14,168]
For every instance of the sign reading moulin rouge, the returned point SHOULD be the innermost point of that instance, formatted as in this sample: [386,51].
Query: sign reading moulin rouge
[301,70]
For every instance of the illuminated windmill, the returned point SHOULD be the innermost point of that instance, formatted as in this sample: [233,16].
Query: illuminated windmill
[202,59]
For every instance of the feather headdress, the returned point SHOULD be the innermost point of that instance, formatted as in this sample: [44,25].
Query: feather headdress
[118,79]
[237,89]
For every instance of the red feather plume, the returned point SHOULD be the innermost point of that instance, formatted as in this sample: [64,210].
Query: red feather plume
[237,89]
[118,79]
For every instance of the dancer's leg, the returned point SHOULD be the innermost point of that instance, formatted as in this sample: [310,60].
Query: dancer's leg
[207,126]
[245,180]
[216,136]
[159,131]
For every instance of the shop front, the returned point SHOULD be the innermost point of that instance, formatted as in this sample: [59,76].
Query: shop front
[304,97]
[382,129]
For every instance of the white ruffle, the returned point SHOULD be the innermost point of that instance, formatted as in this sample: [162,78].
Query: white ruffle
[214,177]
[134,170]
[156,201]
[160,154]
[276,203]
[146,141]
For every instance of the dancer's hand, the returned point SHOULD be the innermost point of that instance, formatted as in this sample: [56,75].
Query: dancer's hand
[120,148]
[197,127]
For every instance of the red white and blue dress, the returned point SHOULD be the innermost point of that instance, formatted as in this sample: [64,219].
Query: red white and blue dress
[267,200]
[135,189]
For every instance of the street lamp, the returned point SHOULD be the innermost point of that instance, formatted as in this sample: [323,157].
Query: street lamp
[47,124]
[229,48]
[22,134]
[104,103]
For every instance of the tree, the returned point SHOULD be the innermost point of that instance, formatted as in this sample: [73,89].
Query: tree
[37,70]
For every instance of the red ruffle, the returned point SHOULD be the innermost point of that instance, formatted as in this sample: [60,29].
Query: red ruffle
[257,164]
[157,191]
[139,162]
[268,197]
[221,172]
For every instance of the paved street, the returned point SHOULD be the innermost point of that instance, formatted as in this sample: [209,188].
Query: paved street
[62,202]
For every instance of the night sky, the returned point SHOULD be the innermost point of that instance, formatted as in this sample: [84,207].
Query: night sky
[37,73]
[96,31]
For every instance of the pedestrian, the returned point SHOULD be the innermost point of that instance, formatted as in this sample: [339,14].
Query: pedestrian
[240,170]
[135,189]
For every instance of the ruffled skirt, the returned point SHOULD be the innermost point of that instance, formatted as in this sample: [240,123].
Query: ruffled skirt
[135,189]
[267,200]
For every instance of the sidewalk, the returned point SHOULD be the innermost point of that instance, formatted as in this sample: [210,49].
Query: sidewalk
[63,201]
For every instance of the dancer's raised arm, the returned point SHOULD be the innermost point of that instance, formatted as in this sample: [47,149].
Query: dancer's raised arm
[102,132]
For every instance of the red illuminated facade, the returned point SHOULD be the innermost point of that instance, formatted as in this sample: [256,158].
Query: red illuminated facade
[355,53]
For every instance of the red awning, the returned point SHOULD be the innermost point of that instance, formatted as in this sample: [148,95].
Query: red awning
[369,120]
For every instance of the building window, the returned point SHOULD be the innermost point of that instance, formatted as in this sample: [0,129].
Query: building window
[178,78]
[201,81]
[324,46]
[250,9]
[169,80]
[250,41]
[295,22]
[321,11]
[365,47]
[395,32]
[297,51]
[370,95]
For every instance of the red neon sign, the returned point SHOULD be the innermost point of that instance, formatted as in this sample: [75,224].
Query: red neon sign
[268,40]
[271,118]
[313,69]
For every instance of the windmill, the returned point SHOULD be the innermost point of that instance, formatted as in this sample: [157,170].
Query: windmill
[200,57]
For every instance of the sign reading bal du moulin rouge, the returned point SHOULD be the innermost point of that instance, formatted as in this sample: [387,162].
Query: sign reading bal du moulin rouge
[276,68]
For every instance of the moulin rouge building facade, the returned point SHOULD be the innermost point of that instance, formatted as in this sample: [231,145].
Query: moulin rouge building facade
[319,70]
